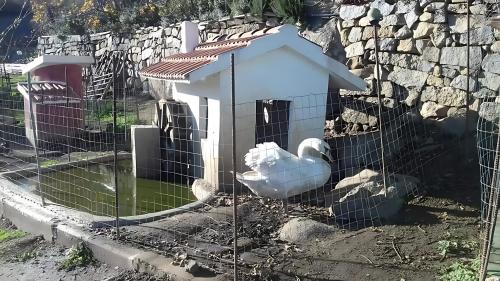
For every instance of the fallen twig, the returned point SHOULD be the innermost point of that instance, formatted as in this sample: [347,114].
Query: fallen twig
[397,252]
[366,258]
[421,229]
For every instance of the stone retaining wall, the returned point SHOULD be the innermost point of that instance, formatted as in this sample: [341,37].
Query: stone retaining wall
[423,49]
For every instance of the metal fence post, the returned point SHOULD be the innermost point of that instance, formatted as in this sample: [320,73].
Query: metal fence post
[35,140]
[115,152]
[233,157]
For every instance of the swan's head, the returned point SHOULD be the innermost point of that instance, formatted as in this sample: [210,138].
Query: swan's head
[314,147]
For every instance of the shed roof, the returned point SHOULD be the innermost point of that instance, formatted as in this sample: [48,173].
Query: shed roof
[213,57]
[48,60]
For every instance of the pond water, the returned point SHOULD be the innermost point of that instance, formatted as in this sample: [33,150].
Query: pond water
[90,189]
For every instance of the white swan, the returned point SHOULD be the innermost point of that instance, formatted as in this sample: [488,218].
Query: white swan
[278,174]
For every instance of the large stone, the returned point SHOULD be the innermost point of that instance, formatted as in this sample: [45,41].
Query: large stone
[458,56]
[424,30]
[387,89]
[328,37]
[490,81]
[355,49]
[355,34]
[393,20]
[303,230]
[460,82]
[407,46]
[412,98]
[411,17]
[362,177]
[429,93]
[384,8]
[479,36]
[431,54]
[426,17]
[490,111]
[435,6]
[458,23]
[484,93]
[403,7]
[440,16]
[432,109]
[439,36]
[491,63]
[383,32]
[352,12]
[354,116]
[435,81]
[496,47]
[404,33]
[385,44]
[146,53]
[408,78]
[451,97]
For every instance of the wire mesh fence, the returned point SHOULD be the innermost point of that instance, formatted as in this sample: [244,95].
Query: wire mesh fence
[160,173]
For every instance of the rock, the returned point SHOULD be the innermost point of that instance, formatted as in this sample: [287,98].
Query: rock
[424,29]
[435,81]
[355,49]
[403,7]
[146,53]
[449,72]
[393,20]
[490,81]
[491,63]
[408,78]
[426,17]
[355,34]
[451,97]
[439,36]
[460,8]
[458,56]
[460,82]
[384,8]
[192,267]
[412,98]
[385,44]
[479,36]
[407,46]
[440,16]
[370,200]
[484,93]
[411,17]
[387,89]
[458,23]
[431,54]
[429,94]
[490,111]
[432,109]
[302,230]
[202,189]
[383,32]
[496,47]
[404,33]
[352,12]
[362,177]
[328,37]
[353,116]
[435,6]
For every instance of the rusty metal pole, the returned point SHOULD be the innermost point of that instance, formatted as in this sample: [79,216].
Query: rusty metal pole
[67,112]
[375,17]
[467,98]
[233,157]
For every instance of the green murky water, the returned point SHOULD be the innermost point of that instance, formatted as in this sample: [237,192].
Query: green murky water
[90,189]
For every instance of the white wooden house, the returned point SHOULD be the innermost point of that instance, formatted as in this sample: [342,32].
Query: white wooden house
[275,67]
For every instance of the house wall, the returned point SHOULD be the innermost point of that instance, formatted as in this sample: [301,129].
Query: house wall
[205,156]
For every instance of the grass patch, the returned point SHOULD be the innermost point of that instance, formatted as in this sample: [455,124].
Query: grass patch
[461,271]
[456,247]
[9,234]
[79,255]
[48,163]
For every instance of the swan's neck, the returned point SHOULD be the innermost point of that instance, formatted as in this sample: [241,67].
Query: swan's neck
[307,152]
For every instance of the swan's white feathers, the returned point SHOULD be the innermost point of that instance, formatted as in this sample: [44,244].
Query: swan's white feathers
[266,157]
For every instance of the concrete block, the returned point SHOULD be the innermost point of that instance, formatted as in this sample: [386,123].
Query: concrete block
[146,155]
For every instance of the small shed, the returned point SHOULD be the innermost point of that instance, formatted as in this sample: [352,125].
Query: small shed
[277,72]
[55,91]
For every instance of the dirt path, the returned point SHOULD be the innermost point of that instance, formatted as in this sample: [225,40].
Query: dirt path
[29,258]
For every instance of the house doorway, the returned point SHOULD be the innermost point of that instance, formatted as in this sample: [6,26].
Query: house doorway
[272,122]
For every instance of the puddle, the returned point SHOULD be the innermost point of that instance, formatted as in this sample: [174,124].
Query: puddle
[90,189]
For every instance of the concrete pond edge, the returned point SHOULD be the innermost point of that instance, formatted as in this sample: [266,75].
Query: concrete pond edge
[31,217]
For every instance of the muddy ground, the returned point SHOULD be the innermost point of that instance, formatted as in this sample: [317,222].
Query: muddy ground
[29,258]
[406,248]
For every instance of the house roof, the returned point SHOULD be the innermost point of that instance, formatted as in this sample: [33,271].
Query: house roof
[48,60]
[179,66]
[213,57]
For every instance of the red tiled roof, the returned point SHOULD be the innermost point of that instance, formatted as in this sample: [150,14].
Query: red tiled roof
[179,66]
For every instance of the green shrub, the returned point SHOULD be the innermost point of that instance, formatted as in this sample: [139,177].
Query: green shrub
[79,255]
[461,271]
[291,11]
[258,7]
[9,234]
